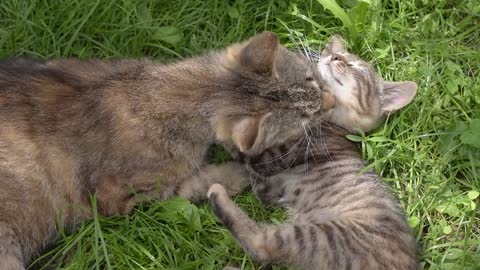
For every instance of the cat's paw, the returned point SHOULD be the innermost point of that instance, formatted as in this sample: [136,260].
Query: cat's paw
[216,189]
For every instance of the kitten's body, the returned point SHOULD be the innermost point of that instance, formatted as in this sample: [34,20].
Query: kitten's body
[118,129]
[340,217]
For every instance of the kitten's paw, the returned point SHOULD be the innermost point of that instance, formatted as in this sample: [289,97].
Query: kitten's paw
[216,189]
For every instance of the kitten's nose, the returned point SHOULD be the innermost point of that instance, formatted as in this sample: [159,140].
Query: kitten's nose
[328,101]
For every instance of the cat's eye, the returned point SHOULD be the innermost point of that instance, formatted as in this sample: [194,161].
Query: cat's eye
[309,75]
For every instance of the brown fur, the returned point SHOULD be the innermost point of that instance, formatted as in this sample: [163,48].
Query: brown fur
[132,130]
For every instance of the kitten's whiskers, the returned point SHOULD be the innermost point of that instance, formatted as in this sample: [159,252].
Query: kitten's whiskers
[281,155]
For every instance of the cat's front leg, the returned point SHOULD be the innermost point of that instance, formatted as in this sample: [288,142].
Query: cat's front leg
[232,175]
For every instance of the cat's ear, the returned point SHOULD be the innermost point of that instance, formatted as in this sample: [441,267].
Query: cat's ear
[336,44]
[258,54]
[397,95]
[247,134]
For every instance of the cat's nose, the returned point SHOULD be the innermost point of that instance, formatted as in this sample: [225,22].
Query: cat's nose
[328,101]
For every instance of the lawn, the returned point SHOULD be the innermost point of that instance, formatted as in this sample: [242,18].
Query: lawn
[429,153]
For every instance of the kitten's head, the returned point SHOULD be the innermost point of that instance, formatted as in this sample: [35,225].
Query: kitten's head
[363,98]
[277,90]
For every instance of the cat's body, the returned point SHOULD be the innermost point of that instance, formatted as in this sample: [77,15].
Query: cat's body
[131,130]
[341,216]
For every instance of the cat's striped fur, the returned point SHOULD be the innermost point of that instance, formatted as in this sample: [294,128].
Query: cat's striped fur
[340,216]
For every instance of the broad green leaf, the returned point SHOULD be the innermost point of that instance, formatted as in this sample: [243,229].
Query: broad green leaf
[473,194]
[413,221]
[448,208]
[447,229]
[452,86]
[179,210]
[354,138]
[144,15]
[233,12]
[169,34]
[382,53]
[358,14]
[448,141]
[472,135]
[454,253]
[337,12]
[369,151]
[294,9]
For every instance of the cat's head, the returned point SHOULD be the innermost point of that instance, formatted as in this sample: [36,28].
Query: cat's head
[277,91]
[363,98]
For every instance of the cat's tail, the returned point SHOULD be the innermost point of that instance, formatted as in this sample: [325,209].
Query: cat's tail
[266,244]
[10,249]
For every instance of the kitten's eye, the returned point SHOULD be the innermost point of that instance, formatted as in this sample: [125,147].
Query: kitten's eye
[309,78]
[338,57]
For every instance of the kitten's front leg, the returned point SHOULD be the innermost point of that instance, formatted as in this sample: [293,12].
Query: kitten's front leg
[271,190]
[263,243]
[232,175]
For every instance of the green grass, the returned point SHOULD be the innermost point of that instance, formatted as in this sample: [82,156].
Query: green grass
[428,153]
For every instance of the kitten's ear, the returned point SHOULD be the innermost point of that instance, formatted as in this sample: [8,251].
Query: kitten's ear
[397,95]
[336,44]
[247,134]
[258,54]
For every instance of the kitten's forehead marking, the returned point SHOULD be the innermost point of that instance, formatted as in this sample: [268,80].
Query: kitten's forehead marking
[355,63]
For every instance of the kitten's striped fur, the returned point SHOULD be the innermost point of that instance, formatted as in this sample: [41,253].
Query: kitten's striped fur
[340,218]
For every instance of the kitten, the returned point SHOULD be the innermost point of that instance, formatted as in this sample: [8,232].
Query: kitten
[131,130]
[339,217]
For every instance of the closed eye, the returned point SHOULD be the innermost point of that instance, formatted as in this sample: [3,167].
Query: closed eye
[309,79]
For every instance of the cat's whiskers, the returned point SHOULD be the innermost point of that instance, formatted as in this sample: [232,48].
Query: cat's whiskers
[323,143]
[298,152]
[309,141]
[306,156]
[301,49]
[315,143]
[305,47]
[326,146]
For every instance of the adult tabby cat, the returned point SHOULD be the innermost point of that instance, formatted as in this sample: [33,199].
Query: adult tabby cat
[130,130]
[340,218]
